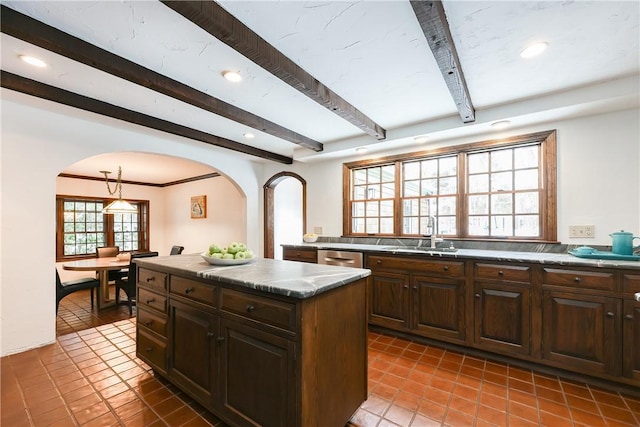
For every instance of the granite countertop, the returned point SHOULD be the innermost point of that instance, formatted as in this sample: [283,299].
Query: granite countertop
[485,254]
[288,278]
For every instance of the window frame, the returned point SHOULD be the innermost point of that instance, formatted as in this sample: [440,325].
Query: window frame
[143,232]
[547,188]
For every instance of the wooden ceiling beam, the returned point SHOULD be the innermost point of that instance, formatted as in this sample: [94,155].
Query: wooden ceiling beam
[61,96]
[215,20]
[47,37]
[435,27]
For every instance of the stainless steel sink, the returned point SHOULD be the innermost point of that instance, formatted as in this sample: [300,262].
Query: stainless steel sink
[420,249]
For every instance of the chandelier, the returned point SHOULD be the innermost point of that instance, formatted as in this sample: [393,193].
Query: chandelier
[120,205]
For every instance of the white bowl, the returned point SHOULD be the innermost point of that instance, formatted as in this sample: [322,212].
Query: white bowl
[218,261]
[309,239]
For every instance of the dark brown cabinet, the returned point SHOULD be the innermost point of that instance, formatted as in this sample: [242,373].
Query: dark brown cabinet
[421,296]
[254,358]
[502,308]
[302,255]
[631,327]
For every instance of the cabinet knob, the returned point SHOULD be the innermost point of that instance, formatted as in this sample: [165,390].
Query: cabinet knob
[148,349]
[297,253]
[150,300]
[477,296]
[189,290]
[250,308]
[148,323]
[379,261]
[210,334]
[446,268]
[576,279]
[220,339]
[609,314]
[629,316]
[151,278]
[406,286]
[415,288]
[500,273]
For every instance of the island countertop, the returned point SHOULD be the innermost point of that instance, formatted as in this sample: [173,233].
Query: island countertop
[288,278]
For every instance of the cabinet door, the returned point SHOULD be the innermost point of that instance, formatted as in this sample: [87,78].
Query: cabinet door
[502,317]
[193,358]
[258,376]
[389,300]
[579,332]
[438,307]
[631,339]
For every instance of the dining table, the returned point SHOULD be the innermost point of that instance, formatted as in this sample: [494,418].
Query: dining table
[101,266]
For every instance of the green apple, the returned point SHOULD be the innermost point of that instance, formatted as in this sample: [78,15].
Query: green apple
[214,248]
[227,256]
[233,247]
[216,255]
[242,247]
[248,254]
[241,255]
[223,251]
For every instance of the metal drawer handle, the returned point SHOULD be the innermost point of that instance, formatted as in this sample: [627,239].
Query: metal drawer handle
[250,308]
[379,261]
[151,300]
[151,279]
[149,349]
[189,290]
[220,339]
[629,317]
[148,323]
[501,273]
[609,314]
[406,286]
[577,279]
[477,296]
[446,268]
[210,334]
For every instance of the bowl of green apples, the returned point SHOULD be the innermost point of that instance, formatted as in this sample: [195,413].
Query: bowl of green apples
[235,253]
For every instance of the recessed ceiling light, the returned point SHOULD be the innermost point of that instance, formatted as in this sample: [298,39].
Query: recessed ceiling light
[249,135]
[361,150]
[33,61]
[420,139]
[502,124]
[534,50]
[232,76]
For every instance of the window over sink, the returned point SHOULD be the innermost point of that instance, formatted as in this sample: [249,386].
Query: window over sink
[498,189]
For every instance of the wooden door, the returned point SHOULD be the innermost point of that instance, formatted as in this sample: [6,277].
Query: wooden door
[438,307]
[258,376]
[502,319]
[579,332]
[389,300]
[193,358]
[631,339]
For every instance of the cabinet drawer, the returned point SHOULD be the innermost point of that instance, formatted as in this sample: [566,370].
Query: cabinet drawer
[503,272]
[152,279]
[152,350]
[155,322]
[579,279]
[422,266]
[304,255]
[273,312]
[631,283]
[148,299]
[194,290]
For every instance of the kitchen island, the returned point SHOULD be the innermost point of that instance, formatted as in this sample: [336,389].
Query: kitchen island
[271,343]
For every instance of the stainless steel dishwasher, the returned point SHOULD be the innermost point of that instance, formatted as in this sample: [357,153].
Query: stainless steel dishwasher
[341,258]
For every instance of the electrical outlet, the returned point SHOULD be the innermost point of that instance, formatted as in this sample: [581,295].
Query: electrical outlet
[582,231]
[317,230]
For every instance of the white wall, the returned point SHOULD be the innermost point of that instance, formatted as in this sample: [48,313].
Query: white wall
[598,176]
[39,139]
[287,206]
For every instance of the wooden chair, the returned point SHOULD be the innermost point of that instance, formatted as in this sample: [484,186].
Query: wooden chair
[176,250]
[65,288]
[110,252]
[128,283]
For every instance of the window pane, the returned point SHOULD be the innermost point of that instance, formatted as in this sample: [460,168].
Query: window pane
[373,175]
[429,187]
[478,162]
[501,160]
[502,225]
[410,207]
[386,225]
[411,188]
[388,190]
[359,176]
[426,206]
[429,168]
[386,208]
[447,206]
[479,183]
[447,225]
[478,205]
[358,225]
[372,225]
[501,204]
[448,185]
[411,226]
[501,181]
[526,157]
[526,179]
[359,193]
[373,192]
[479,225]
[388,173]
[372,209]
[358,209]
[448,166]
[527,203]
[411,170]
[527,225]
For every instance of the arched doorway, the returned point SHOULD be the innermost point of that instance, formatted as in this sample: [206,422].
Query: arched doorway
[269,209]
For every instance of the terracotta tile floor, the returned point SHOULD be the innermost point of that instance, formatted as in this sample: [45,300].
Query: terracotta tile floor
[91,377]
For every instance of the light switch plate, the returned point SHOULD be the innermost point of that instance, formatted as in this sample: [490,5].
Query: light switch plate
[582,231]
[317,230]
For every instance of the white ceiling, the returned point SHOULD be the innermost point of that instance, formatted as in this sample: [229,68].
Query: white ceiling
[371,53]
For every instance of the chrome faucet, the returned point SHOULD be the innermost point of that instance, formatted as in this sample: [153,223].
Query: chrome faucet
[432,224]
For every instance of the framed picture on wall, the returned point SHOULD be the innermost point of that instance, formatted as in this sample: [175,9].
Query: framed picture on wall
[199,207]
